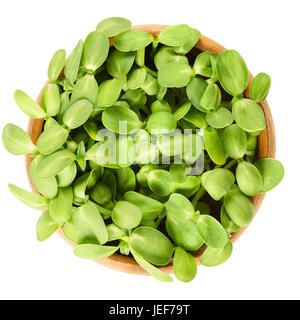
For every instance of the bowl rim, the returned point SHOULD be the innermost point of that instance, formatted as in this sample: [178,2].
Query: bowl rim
[266,149]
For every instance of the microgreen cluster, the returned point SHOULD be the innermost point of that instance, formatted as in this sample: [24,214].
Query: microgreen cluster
[148,148]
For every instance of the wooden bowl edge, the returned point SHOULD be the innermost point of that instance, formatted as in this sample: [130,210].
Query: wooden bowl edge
[267,148]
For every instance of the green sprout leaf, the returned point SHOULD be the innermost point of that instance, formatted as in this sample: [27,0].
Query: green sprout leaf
[175,75]
[217,182]
[90,224]
[16,141]
[212,257]
[248,178]
[73,62]
[51,99]
[185,266]
[54,163]
[272,173]
[60,207]
[248,115]
[260,87]
[46,226]
[56,65]
[232,72]
[154,272]
[132,40]
[46,186]
[175,35]
[151,245]
[239,207]
[95,50]
[113,26]
[28,106]
[126,215]
[32,200]
[94,251]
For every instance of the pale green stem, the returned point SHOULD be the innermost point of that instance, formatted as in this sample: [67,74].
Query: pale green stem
[153,73]
[154,47]
[230,164]
[158,221]
[200,193]
[103,210]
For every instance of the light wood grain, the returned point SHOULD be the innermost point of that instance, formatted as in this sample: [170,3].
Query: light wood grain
[266,149]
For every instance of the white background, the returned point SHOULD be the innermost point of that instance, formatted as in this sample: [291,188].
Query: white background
[265,263]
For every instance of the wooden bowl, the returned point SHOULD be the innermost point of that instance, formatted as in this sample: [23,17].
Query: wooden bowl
[266,149]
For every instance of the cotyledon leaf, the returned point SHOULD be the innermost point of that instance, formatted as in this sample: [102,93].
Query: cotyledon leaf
[182,110]
[94,251]
[52,139]
[232,72]
[113,117]
[113,26]
[220,118]
[60,207]
[239,207]
[217,182]
[114,232]
[167,55]
[132,40]
[226,222]
[183,232]
[272,172]
[211,231]
[248,115]
[150,85]
[90,224]
[28,105]
[249,178]
[175,75]
[136,78]
[158,249]
[150,208]
[159,182]
[185,266]
[31,199]
[175,35]
[211,98]
[235,141]
[204,64]
[161,122]
[46,186]
[195,91]
[119,63]
[46,226]
[212,257]
[214,146]
[16,141]
[95,50]
[100,193]
[109,92]
[153,271]
[52,164]
[73,62]
[187,46]
[78,113]
[51,99]
[126,215]
[56,65]
[180,206]
[260,87]
[187,188]
[85,88]
[66,176]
